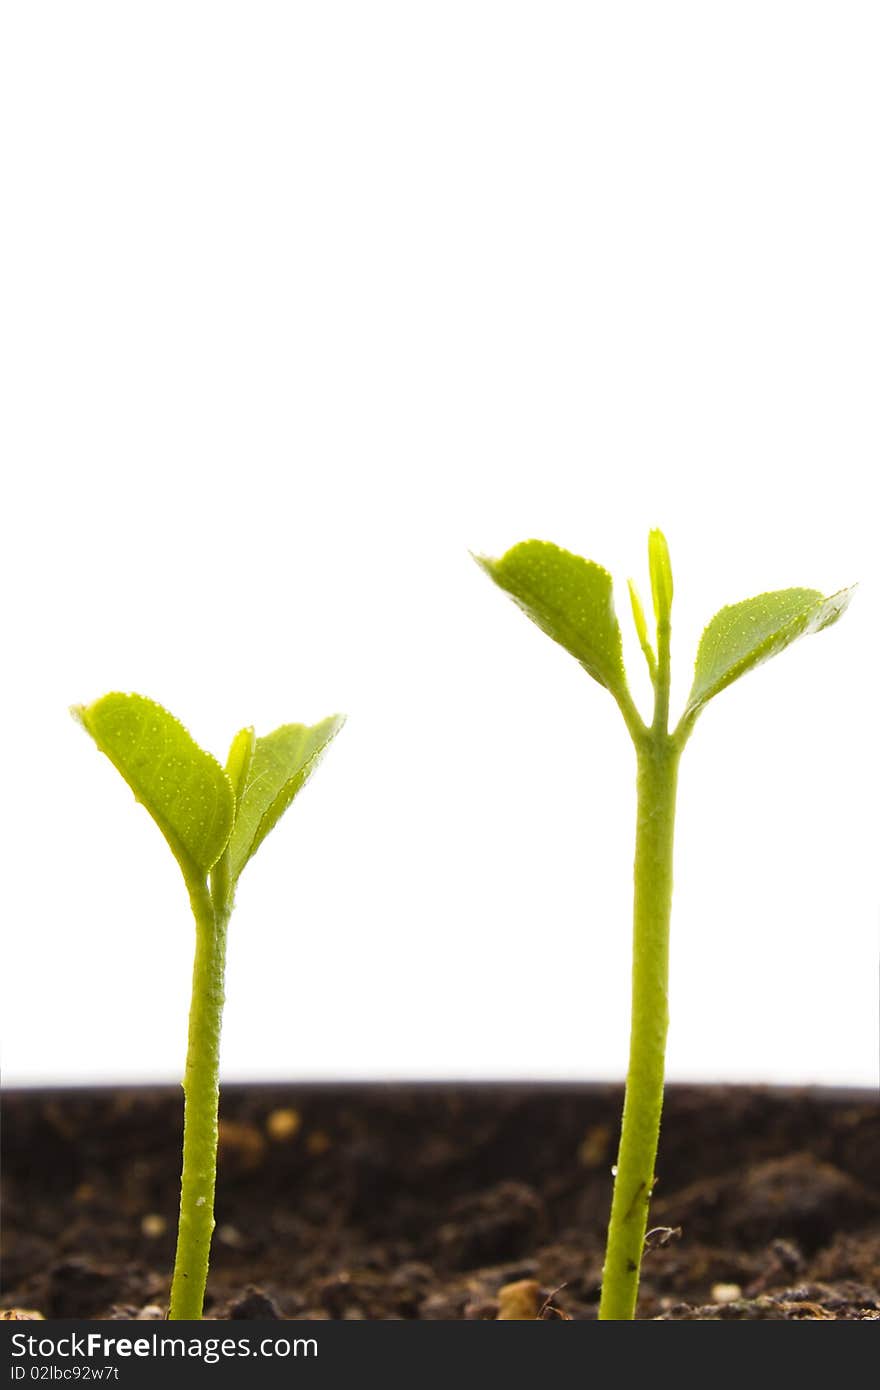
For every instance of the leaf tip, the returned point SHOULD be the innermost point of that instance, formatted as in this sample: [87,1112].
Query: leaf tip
[838,603]
[485,562]
[78,713]
[335,722]
[638,611]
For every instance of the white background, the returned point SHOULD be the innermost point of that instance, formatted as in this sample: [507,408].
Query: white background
[303,302]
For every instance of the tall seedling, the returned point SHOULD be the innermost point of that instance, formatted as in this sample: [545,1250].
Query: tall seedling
[571,600]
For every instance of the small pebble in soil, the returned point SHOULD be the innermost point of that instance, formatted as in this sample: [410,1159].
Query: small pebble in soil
[153,1225]
[519,1302]
[726,1293]
[282,1125]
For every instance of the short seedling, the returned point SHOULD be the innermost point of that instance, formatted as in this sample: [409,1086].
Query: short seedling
[571,600]
[214,821]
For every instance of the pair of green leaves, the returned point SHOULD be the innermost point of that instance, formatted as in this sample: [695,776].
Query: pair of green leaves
[571,599]
[202,809]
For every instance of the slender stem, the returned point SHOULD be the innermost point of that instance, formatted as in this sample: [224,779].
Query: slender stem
[662,682]
[201,1096]
[658,757]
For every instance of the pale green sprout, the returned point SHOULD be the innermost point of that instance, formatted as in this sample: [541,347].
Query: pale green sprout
[214,820]
[571,600]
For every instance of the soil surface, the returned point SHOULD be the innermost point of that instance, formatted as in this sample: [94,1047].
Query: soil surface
[444,1201]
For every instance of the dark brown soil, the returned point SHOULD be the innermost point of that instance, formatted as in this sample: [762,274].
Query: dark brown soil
[431,1201]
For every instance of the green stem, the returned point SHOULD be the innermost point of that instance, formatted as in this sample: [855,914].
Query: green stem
[201,1097]
[662,678]
[658,757]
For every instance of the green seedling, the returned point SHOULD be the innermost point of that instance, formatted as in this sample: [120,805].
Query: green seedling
[214,820]
[571,600]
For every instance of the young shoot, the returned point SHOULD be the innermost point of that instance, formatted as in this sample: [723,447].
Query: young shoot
[571,600]
[214,820]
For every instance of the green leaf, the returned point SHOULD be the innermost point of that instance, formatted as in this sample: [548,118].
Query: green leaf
[638,613]
[184,789]
[570,599]
[660,569]
[238,763]
[282,763]
[743,635]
